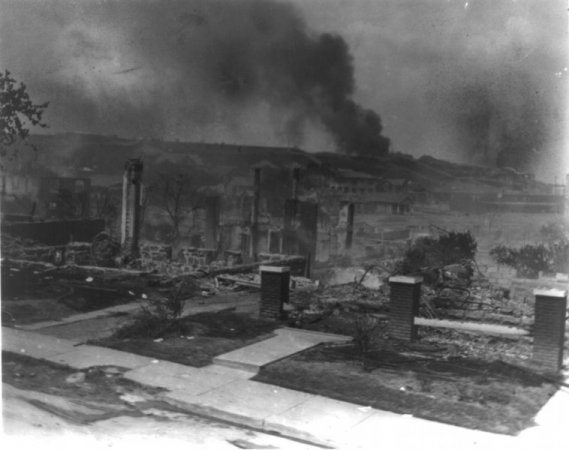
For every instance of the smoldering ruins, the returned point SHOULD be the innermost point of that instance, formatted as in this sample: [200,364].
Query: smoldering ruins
[393,175]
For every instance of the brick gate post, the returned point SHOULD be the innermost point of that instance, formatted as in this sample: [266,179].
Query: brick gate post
[274,290]
[549,328]
[404,305]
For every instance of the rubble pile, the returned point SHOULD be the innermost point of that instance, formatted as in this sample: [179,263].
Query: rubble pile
[15,247]
[27,249]
[342,302]
[481,302]
[253,280]
[475,345]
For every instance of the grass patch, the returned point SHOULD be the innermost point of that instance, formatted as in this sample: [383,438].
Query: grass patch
[490,396]
[193,340]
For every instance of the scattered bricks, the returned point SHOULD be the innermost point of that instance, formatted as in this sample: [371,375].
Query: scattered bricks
[404,306]
[549,328]
[274,290]
[78,253]
[156,252]
[232,258]
[475,315]
[196,257]
[507,310]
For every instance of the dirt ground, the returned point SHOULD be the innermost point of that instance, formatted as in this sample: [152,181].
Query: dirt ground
[471,380]
[32,294]
[423,379]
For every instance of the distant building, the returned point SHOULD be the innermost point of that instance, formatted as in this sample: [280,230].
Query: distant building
[512,202]
[239,185]
[351,182]
[396,185]
[382,203]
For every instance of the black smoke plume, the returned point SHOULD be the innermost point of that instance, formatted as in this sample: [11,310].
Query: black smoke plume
[177,68]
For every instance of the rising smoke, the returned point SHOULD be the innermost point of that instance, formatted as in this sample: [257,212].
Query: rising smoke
[177,68]
[502,98]
[480,81]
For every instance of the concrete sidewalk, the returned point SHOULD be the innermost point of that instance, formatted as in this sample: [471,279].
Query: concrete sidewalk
[228,393]
[81,328]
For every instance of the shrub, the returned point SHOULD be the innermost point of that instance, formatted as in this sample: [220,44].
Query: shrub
[529,259]
[364,327]
[433,253]
[550,255]
[160,316]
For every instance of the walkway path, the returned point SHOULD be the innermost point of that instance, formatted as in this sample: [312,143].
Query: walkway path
[102,323]
[287,342]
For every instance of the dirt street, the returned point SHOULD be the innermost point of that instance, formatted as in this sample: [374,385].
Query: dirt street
[27,426]
[55,406]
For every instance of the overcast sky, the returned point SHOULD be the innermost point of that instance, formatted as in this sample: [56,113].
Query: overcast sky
[483,81]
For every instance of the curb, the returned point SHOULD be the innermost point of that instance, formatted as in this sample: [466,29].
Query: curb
[239,419]
[331,336]
[252,368]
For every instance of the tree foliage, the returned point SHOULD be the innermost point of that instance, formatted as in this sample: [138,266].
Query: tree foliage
[549,256]
[177,195]
[17,112]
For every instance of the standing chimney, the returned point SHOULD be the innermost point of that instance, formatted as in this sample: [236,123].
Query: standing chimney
[212,222]
[131,207]
[255,212]
[346,227]
[295,182]
[350,228]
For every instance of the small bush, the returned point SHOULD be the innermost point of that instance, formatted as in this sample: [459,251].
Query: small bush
[364,327]
[161,316]
[528,260]
[550,256]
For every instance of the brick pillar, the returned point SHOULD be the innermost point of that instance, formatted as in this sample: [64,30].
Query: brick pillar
[255,213]
[404,305]
[346,227]
[131,208]
[289,242]
[212,211]
[549,328]
[295,182]
[349,227]
[274,290]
